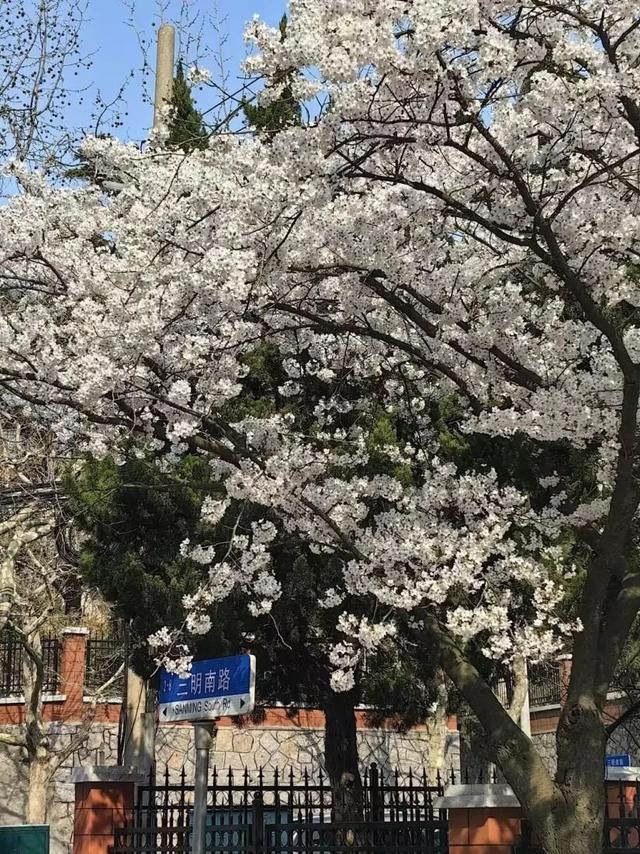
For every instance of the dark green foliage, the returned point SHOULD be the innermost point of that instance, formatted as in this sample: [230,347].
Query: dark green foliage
[283,112]
[136,517]
[400,686]
[517,460]
[85,169]
[186,126]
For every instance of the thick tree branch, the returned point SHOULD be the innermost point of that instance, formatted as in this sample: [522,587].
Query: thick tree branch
[508,745]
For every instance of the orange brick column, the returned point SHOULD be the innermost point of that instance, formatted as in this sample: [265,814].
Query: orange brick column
[484,831]
[103,803]
[484,818]
[72,672]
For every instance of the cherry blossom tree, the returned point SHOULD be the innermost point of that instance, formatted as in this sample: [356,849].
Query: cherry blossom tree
[458,225]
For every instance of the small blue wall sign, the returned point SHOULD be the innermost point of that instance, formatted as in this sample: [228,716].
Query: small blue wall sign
[619,760]
[217,687]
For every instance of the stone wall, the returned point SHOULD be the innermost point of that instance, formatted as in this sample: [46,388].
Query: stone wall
[298,749]
[475,765]
[545,743]
[236,748]
[99,748]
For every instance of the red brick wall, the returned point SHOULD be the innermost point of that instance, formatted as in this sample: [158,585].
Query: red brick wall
[72,708]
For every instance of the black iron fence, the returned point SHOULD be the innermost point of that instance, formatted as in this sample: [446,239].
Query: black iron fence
[622,820]
[105,655]
[252,813]
[281,813]
[545,686]
[12,657]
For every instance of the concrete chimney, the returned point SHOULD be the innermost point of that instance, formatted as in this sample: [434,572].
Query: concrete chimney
[165,65]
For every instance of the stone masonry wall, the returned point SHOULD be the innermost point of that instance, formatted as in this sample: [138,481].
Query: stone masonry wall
[475,764]
[236,748]
[100,748]
[298,749]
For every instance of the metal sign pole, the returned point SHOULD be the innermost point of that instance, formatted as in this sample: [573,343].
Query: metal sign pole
[204,734]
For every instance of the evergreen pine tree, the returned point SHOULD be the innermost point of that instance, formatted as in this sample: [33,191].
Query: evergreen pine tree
[186,126]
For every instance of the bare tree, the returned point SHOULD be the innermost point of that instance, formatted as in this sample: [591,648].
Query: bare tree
[38,585]
[40,53]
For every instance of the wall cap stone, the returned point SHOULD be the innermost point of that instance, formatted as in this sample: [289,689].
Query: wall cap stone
[551,707]
[18,700]
[75,630]
[107,774]
[476,795]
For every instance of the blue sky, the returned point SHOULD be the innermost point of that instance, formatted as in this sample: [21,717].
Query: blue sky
[114,45]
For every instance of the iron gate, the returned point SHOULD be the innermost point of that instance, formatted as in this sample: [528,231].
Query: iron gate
[250,814]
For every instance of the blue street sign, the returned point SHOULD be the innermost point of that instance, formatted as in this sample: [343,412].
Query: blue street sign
[620,760]
[215,688]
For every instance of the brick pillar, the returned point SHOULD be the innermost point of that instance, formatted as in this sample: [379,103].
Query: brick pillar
[72,672]
[490,830]
[564,664]
[487,819]
[484,818]
[100,809]
[104,799]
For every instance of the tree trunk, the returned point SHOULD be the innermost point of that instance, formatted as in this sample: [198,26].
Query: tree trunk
[565,813]
[37,795]
[580,744]
[341,757]
[36,741]
[436,730]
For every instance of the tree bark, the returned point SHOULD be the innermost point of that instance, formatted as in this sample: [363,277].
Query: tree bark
[436,729]
[36,740]
[341,757]
[37,795]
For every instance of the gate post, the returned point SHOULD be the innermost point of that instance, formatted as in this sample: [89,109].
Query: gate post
[257,817]
[104,798]
[374,785]
[484,818]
